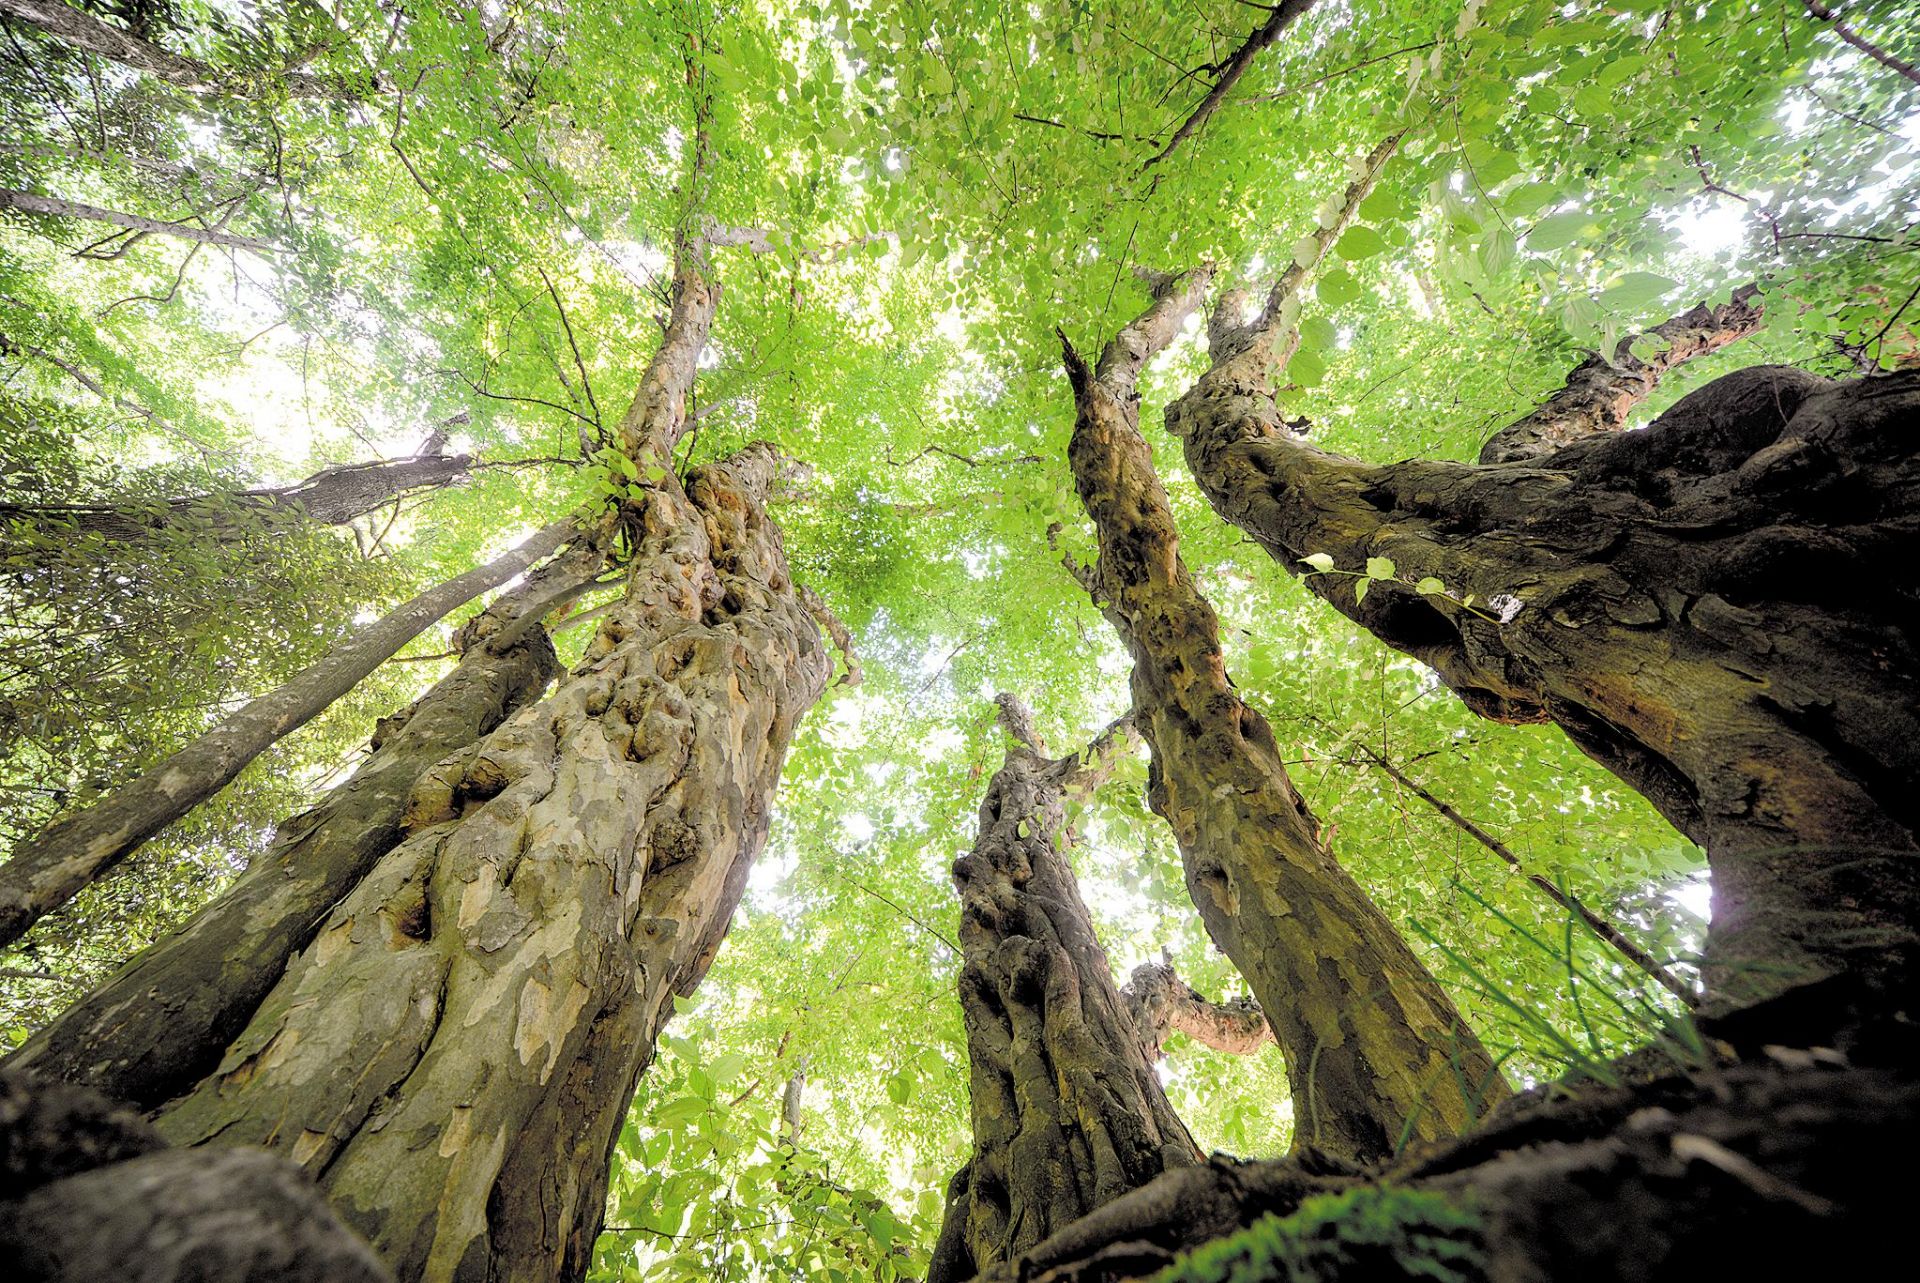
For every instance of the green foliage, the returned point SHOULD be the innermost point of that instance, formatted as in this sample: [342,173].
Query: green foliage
[1373,1233]
[479,247]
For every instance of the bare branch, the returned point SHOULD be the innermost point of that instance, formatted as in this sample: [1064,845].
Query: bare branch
[1865,46]
[1163,1004]
[29,203]
[1278,20]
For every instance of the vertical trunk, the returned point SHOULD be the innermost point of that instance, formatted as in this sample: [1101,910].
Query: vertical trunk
[453,1053]
[161,1023]
[45,873]
[1376,1053]
[1068,1113]
[1720,609]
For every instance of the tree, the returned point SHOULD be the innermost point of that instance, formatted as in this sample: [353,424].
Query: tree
[451,956]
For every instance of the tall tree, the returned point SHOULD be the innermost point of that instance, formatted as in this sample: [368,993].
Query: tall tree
[1376,1053]
[1067,1112]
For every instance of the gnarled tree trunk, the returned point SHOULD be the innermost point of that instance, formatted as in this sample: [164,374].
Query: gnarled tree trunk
[453,1052]
[161,1023]
[1068,1113]
[1376,1052]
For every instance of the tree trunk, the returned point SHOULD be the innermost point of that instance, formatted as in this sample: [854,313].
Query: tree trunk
[1720,609]
[1068,1113]
[332,496]
[453,1054]
[48,871]
[161,1023]
[1376,1052]
[1162,1004]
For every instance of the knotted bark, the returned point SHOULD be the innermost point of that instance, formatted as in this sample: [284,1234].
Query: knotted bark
[1162,1004]
[1376,1052]
[1068,1113]
[162,1022]
[453,1053]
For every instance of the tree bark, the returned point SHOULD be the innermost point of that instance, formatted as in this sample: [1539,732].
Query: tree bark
[1163,1004]
[28,203]
[162,1022]
[1376,1052]
[453,1054]
[332,497]
[1068,1113]
[87,33]
[1599,394]
[48,871]
[1720,609]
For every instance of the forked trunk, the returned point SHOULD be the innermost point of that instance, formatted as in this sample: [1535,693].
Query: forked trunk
[1068,1113]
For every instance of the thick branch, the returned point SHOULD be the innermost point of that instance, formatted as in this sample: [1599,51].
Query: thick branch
[89,34]
[1163,1004]
[1600,394]
[29,203]
[1865,46]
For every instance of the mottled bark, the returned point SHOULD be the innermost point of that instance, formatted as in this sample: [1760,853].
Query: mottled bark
[453,1054]
[89,34]
[1162,1004]
[1720,609]
[1068,1113]
[162,1022]
[1599,394]
[45,873]
[1376,1052]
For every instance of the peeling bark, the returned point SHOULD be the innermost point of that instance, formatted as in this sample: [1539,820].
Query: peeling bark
[43,874]
[1068,1113]
[1163,1004]
[161,1023]
[1376,1052]
[453,1053]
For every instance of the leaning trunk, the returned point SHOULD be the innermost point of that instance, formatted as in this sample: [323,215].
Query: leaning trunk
[1376,1053]
[43,874]
[1068,1113]
[161,1023]
[1720,609]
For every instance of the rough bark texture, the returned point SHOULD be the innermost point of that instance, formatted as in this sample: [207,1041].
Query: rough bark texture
[1600,394]
[45,873]
[1162,1004]
[85,32]
[1748,1169]
[1376,1052]
[162,1022]
[1721,610]
[453,1054]
[332,496]
[1068,1113]
[89,1191]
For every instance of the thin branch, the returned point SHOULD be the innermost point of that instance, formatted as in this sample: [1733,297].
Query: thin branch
[578,364]
[937,934]
[1865,46]
[1278,20]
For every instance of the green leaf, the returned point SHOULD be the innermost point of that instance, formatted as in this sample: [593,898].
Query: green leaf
[1635,290]
[899,1088]
[1556,231]
[1360,242]
[1320,561]
[1337,289]
[1429,587]
[1380,568]
[1360,587]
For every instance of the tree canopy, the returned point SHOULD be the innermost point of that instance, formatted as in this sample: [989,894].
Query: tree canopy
[241,245]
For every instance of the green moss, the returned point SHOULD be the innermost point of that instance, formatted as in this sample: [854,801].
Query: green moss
[1371,1233]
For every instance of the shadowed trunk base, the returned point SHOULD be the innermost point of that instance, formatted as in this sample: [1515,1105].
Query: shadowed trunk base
[1747,1167]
